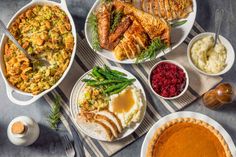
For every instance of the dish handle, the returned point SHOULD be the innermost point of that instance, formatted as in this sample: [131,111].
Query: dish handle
[10,92]
[63,3]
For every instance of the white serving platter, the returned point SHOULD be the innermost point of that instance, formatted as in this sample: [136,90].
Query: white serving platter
[178,35]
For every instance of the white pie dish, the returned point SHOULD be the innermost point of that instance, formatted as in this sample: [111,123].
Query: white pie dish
[10,89]
[229,49]
[187,114]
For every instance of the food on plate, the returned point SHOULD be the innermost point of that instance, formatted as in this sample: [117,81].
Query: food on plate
[93,98]
[127,31]
[44,32]
[108,103]
[207,58]
[135,39]
[99,129]
[127,105]
[168,80]
[103,18]
[154,26]
[168,9]
[187,137]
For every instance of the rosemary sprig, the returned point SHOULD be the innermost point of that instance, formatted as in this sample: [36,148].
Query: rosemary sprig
[54,116]
[152,51]
[116,16]
[178,23]
[93,24]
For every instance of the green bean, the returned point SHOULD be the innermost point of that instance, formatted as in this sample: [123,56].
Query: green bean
[98,83]
[88,80]
[106,74]
[96,73]
[118,73]
[120,89]
[115,86]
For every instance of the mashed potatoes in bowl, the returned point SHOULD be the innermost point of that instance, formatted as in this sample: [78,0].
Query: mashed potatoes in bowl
[208,58]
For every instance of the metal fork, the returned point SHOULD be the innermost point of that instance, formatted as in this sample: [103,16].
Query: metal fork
[68,146]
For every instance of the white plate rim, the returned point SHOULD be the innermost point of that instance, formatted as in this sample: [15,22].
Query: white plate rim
[188,114]
[74,96]
[190,22]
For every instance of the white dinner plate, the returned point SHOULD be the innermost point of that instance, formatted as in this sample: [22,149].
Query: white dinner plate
[74,107]
[178,35]
[187,114]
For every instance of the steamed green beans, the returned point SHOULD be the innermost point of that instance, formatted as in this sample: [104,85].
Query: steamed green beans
[112,81]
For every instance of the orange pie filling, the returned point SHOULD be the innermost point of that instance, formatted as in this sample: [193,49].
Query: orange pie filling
[187,139]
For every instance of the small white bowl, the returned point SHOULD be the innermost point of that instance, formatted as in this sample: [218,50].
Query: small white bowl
[229,48]
[177,64]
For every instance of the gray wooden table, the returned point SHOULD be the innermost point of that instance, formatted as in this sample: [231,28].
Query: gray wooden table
[49,143]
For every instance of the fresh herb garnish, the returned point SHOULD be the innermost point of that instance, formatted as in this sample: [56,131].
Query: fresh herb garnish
[111,81]
[116,18]
[178,23]
[152,51]
[54,117]
[93,24]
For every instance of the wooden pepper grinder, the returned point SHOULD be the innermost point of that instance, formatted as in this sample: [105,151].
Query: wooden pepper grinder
[221,95]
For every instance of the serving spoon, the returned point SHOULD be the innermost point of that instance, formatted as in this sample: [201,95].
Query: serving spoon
[218,21]
[31,58]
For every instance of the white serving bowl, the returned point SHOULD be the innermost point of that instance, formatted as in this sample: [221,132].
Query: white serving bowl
[229,48]
[180,66]
[10,89]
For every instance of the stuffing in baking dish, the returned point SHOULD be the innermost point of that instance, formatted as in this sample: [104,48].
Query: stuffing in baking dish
[44,32]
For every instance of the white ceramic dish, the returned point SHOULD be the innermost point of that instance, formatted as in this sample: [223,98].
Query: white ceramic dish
[10,88]
[178,35]
[187,114]
[230,53]
[177,64]
[74,107]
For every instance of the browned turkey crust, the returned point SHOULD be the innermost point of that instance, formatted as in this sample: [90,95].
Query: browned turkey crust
[143,5]
[182,8]
[149,6]
[153,26]
[121,28]
[162,8]
[103,18]
[156,8]
[135,39]
[168,10]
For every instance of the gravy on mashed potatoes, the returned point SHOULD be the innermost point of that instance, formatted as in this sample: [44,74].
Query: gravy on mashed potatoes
[208,58]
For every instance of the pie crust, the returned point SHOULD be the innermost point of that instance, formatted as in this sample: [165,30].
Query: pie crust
[161,130]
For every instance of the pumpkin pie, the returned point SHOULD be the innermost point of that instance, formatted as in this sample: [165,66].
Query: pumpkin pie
[187,137]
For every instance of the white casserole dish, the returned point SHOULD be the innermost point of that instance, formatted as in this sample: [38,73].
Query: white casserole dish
[10,89]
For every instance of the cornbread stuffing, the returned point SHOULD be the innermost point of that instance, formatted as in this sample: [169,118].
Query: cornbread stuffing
[44,32]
